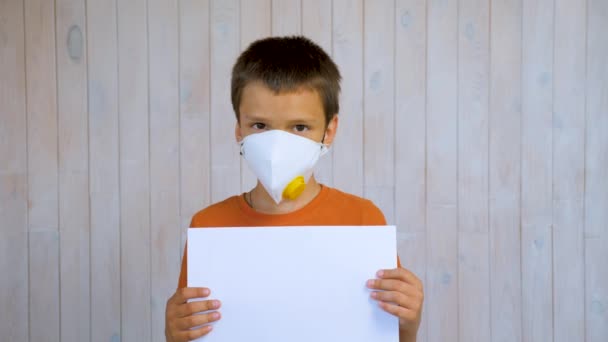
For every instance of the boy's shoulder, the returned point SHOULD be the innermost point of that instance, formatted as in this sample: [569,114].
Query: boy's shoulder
[347,203]
[348,198]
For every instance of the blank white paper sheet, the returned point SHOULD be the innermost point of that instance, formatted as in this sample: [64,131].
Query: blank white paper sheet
[294,284]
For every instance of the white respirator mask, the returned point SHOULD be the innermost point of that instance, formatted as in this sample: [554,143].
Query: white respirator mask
[283,162]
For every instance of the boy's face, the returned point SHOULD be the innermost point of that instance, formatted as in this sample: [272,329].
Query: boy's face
[299,112]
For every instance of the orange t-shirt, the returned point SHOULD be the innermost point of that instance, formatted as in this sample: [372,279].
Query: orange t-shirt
[330,207]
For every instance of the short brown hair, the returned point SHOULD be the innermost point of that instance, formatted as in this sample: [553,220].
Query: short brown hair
[286,64]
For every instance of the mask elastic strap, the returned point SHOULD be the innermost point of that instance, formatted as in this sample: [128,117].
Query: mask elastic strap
[323,140]
[323,146]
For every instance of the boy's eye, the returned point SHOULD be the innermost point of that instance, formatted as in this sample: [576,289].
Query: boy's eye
[258,125]
[301,128]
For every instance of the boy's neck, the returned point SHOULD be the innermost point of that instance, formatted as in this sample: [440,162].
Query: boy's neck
[261,202]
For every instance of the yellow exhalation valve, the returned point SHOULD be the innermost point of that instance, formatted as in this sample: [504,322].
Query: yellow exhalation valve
[294,188]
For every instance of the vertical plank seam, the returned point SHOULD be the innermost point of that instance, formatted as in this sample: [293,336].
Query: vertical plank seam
[211,63]
[426,133]
[179,131]
[362,132]
[210,117]
[149,182]
[27,166]
[58,171]
[120,218]
[521,146]
[151,313]
[488,173]
[584,241]
[457,275]
[119,161]
[331,46]
[553,174]
[86,23]
[394,187]
[458,328]
[426,158]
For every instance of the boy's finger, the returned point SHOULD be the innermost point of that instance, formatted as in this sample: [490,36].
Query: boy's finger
[391,297]
[402,274]
[189,322]
[392,285]
[399,311]
[398,298]
[191,308]
[190,335]
[183,294]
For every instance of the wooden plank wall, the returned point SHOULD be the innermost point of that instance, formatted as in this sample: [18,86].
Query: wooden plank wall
[480,128]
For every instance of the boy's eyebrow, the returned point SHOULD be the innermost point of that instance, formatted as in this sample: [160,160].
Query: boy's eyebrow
[266,118]
[253,117]
[298,121]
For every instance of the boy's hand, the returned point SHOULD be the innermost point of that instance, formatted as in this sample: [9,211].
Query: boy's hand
[401,294]
[181,316]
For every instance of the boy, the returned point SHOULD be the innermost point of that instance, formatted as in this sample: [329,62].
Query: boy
[285,97]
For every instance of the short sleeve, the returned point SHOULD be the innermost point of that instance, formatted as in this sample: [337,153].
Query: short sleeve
[183,274]
[183,280]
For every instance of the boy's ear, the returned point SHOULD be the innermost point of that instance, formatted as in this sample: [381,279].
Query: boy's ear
[330,132]
[237,132]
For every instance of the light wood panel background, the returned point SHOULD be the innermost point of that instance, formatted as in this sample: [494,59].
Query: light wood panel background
[479,127]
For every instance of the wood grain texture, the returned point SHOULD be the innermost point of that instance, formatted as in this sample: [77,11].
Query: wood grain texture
[410,115]
[410,139]
[569,170]
[13,174]
[41,115]
[442,182]
[286,17]
[348,55]
[43,212]
[505,170]
[73,144]
[473,165]
[537,170]
[194,104]
[479,127]
[134,171]
[44,285]
[225,46]
[596,173]
[165,231]
[379,106]
[257,21]
[104,170]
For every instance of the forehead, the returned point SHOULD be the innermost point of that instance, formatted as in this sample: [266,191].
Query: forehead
[262,102]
